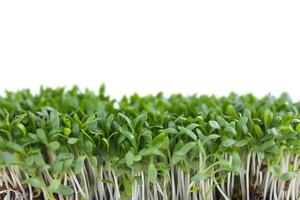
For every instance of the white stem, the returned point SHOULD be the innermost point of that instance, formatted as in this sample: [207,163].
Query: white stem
[78,185]
[74,187]
[29,188]
[243,186]
[117,190]
[247,176]
[290,189]
[266,186]
[275,190]
[143,186]
[220,190]
[173,184]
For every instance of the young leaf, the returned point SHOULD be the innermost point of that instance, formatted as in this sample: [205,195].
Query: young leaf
[188,132]
[230,130]
[151,151]
[22,128]
[241,143]
[127,186]
[8,158]
[214,124]
[72,140]
[54,145]
[35,182]
[258,131]
[266,145]
[298,128]
[42,136]
[268,117]
[152,173]
[129,158]
[56,187]
[78,164]
[287,176]
[199,177]
[228,142]
[186,148]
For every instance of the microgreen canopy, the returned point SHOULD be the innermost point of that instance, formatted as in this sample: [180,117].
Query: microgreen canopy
[68,144]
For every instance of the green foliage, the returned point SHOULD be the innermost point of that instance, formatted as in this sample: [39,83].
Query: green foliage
[62,133]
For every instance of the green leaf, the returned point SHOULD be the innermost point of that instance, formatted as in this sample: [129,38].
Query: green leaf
[258,131]
[214,124]
[230,110]
[8,158]
[16,147]
[241,143]
[63,162]
[139,180]
[180,154]
[78,164]
[127,120]
[129,158]
[236,163]
[56,187]
[126,133]
[159,140]
[34,137]
[192,126]
[35,182]
[186,148]
[21,128]
[228,142]
[230,129]
[266,145]
[128,187]
[298,128]
[105,144]
[102,91]
[151,151]
[94,161]
[72,140]
[199,177]
[137,158]
[171,131]
[243,124]
[88,146]
[152,173]
[2,143]
[54,184]
[54,145]
[213,137]
[275,169]
[194,188]
[287,176]
[42,136]
[188,132]
[268,117]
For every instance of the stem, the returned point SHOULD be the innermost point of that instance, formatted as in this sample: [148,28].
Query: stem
[247,176]
[266,186]
[173,184]
[220,190]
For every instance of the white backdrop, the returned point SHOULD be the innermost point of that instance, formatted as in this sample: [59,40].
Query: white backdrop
[212,47]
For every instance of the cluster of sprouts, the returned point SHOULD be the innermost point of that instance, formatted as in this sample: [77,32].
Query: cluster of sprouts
[73,145]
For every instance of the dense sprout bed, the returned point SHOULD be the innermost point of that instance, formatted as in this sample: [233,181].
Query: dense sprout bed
[81,145]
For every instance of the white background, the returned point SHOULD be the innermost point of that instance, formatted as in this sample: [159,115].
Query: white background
[211,47]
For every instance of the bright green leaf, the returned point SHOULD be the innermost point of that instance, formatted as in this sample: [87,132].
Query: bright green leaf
[214,124]
[152,173]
